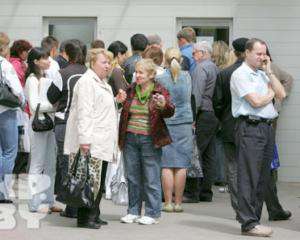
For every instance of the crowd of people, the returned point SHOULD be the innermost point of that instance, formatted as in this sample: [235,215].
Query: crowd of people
[157,108]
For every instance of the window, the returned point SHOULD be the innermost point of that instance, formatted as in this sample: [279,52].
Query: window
[63,28]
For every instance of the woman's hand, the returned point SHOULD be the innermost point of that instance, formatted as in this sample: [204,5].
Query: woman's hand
[85,148]
[121,97]
[159,100]
[266,65]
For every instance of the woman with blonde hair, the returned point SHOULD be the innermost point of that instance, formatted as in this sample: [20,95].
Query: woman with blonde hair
[92,127]
[142,133]
[220,54]
[177,156]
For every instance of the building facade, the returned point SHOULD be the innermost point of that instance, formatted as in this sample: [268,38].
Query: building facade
[275,21]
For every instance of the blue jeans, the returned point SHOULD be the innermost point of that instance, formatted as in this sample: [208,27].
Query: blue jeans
[143,168]
[8,147]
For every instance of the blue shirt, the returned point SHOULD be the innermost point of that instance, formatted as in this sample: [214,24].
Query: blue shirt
[180,92]
[243,81]
[187,50]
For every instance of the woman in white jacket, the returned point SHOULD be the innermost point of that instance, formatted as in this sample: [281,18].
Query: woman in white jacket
[92,127]
[43,156]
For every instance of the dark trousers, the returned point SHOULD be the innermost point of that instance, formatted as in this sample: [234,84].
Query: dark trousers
[86,215]
[271,198]
[254,153]
[62,165]
[206,126]
[231,172]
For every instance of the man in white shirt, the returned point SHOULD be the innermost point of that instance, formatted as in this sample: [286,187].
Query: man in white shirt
[51,45]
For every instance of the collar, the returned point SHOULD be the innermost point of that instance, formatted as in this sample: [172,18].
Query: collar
[249,70]
[188,45]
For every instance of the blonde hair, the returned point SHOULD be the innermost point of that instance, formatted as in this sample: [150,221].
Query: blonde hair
[4,44]
[94,53]
[220,54]
[231,58]
[148,65]
[172,61]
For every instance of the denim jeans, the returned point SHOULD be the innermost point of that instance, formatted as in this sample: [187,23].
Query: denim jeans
[143,168]
[8,147]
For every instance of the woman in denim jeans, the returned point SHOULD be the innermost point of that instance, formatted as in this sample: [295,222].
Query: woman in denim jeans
[176,157]
[142,133]
[8,121]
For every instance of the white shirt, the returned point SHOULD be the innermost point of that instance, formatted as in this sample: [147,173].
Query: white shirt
[53,71]
[36,92]
[11,77]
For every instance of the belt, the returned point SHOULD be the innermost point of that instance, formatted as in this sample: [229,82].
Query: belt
[256,120]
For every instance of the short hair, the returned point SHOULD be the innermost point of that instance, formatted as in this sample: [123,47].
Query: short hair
[18,47]
[251,42]
[98,43]
[82,47]
[203,46]
[148,65]
[48,43]
[94,53]
[154,39]
[75,51]
[139,42]
[4,43]
[117,47]
[62,46]
[188,33]
[155,53]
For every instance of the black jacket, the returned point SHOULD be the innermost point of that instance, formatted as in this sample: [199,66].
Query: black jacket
[61,92]
[222,101]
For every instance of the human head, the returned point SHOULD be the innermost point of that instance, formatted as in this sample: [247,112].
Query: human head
[255,52]
[220,54]
[145,70]
[74,51]
[50,44]
[97,44]
[20,49]
[239,47]
[155,53]
[202,50]
[155,40]
[37,62]
[185,36]
[138,42]
[119,50]
[4,44]
[99,62]
[172,61]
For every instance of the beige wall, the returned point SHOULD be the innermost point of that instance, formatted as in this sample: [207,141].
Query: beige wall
[276,21]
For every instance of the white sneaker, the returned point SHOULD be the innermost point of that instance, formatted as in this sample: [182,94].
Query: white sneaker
[129,218]
[147,220]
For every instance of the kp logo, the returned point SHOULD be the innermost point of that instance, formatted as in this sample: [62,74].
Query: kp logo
[31,192]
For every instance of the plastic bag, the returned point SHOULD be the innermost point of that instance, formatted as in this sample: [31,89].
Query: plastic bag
[119,186]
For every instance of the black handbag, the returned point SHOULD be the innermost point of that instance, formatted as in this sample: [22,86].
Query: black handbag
[7,98]
[41,125]
[76,188]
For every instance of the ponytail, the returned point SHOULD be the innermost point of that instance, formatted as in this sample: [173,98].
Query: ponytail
[175,69]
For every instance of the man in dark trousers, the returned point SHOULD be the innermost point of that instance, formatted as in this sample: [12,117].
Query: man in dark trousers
[253,91]
[222,107]
[203,83]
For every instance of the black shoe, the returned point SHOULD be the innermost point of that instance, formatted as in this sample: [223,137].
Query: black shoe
[205,199]
[65,214]
[284,215]
[186,199]
[90,225]
[101,221]
[6,201]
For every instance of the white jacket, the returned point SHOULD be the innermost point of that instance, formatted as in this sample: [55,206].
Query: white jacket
[93,118]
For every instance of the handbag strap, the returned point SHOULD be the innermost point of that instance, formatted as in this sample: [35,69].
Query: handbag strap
[36,114]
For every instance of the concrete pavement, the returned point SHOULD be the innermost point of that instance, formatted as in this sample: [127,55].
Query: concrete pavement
[199,221]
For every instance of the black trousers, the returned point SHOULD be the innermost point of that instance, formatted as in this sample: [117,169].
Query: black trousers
[62,164]
[206,126]
[85,215]
[254,153]
[231,172]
